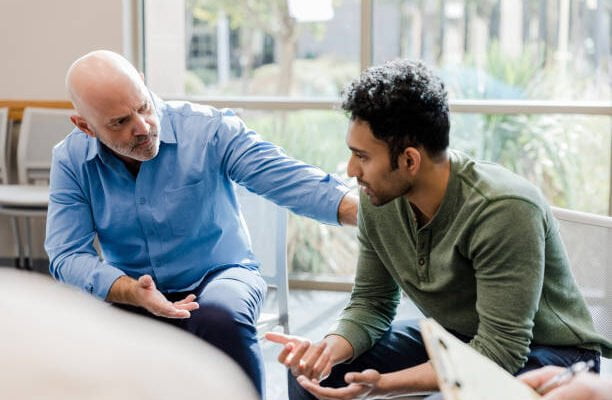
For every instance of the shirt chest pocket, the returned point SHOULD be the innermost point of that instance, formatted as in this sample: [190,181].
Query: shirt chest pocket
[186,208]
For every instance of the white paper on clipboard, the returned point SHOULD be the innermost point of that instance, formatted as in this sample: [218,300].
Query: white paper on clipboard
[465,374]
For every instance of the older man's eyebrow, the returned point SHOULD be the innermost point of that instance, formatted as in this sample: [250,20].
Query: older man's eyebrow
[119,118]
[142,106]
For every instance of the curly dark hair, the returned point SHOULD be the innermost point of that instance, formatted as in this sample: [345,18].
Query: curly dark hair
[404,103]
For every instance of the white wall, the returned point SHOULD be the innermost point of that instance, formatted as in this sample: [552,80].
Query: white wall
[39,39]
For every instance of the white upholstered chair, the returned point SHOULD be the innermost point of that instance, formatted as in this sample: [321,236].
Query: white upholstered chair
[59,343]
[41,129]
[267,225]
[588,241]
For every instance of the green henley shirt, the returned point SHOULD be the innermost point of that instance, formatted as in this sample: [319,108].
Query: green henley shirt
[490,265]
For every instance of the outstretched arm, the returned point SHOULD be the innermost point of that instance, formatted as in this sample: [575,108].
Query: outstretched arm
[265,169]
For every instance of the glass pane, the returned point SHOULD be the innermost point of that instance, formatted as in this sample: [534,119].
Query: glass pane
[271,48]
[511,49]
[567,156]
[315,137]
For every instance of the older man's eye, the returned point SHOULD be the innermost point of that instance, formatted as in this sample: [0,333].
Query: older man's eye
[118,123]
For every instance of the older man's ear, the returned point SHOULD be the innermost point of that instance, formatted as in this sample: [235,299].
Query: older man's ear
[80,123]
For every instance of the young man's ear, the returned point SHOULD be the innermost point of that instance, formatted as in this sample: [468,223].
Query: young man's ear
[411,158]
[80,123]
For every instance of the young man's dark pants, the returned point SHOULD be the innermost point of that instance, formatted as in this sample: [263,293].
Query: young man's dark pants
[402,347]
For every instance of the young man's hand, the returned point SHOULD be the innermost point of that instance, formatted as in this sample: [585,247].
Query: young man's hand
[314,361]
[143,293]
[361,385]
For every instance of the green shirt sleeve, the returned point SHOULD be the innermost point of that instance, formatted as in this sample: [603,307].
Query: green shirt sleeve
[507,249]
[373,302]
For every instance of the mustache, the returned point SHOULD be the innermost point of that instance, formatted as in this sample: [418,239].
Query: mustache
[142,139]
[139,140]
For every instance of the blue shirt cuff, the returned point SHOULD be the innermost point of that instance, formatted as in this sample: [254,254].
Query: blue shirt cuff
[102,280]
[336,195]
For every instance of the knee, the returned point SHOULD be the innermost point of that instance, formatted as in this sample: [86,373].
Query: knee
[220,317]
[213,320]
[214,315]
[216,325]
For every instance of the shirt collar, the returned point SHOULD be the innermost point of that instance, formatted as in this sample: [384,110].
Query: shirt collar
[166,135]
[451,201]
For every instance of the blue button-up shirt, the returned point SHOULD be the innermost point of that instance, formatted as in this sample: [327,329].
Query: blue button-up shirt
[178,219]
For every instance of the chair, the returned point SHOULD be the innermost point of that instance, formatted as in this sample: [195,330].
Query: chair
[4,134]
[59,343]
[41,129]
[267,224]
[588,241]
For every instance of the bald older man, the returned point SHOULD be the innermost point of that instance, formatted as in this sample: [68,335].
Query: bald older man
[153,180]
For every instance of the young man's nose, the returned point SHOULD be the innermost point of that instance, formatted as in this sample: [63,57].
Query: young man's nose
[352,168]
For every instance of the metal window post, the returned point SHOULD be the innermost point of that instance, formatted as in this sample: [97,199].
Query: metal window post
[366,31]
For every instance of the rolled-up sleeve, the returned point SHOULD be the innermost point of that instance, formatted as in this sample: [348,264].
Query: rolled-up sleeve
[265,169]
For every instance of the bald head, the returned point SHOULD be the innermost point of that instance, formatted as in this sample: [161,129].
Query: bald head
[100,77]
[114,105]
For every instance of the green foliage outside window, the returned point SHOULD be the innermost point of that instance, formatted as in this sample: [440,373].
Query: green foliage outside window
[566,155]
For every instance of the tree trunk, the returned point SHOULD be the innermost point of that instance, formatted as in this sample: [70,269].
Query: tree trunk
[287,39]
[441,32]
[246,58]
[425,24]
[467,23]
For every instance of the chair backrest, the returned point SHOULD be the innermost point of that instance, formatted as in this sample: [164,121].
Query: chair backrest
[588,241]
[267,224]
[41,129]
[3,145]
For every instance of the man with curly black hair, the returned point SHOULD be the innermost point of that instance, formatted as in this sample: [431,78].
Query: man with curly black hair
[473,245]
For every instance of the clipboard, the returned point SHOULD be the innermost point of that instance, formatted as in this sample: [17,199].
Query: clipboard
[465,374]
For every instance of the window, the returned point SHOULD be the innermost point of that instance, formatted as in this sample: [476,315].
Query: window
[271,48]
[503,49]
[528,83]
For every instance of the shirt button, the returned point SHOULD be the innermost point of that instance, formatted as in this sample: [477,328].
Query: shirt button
[421,261]
[141,200]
